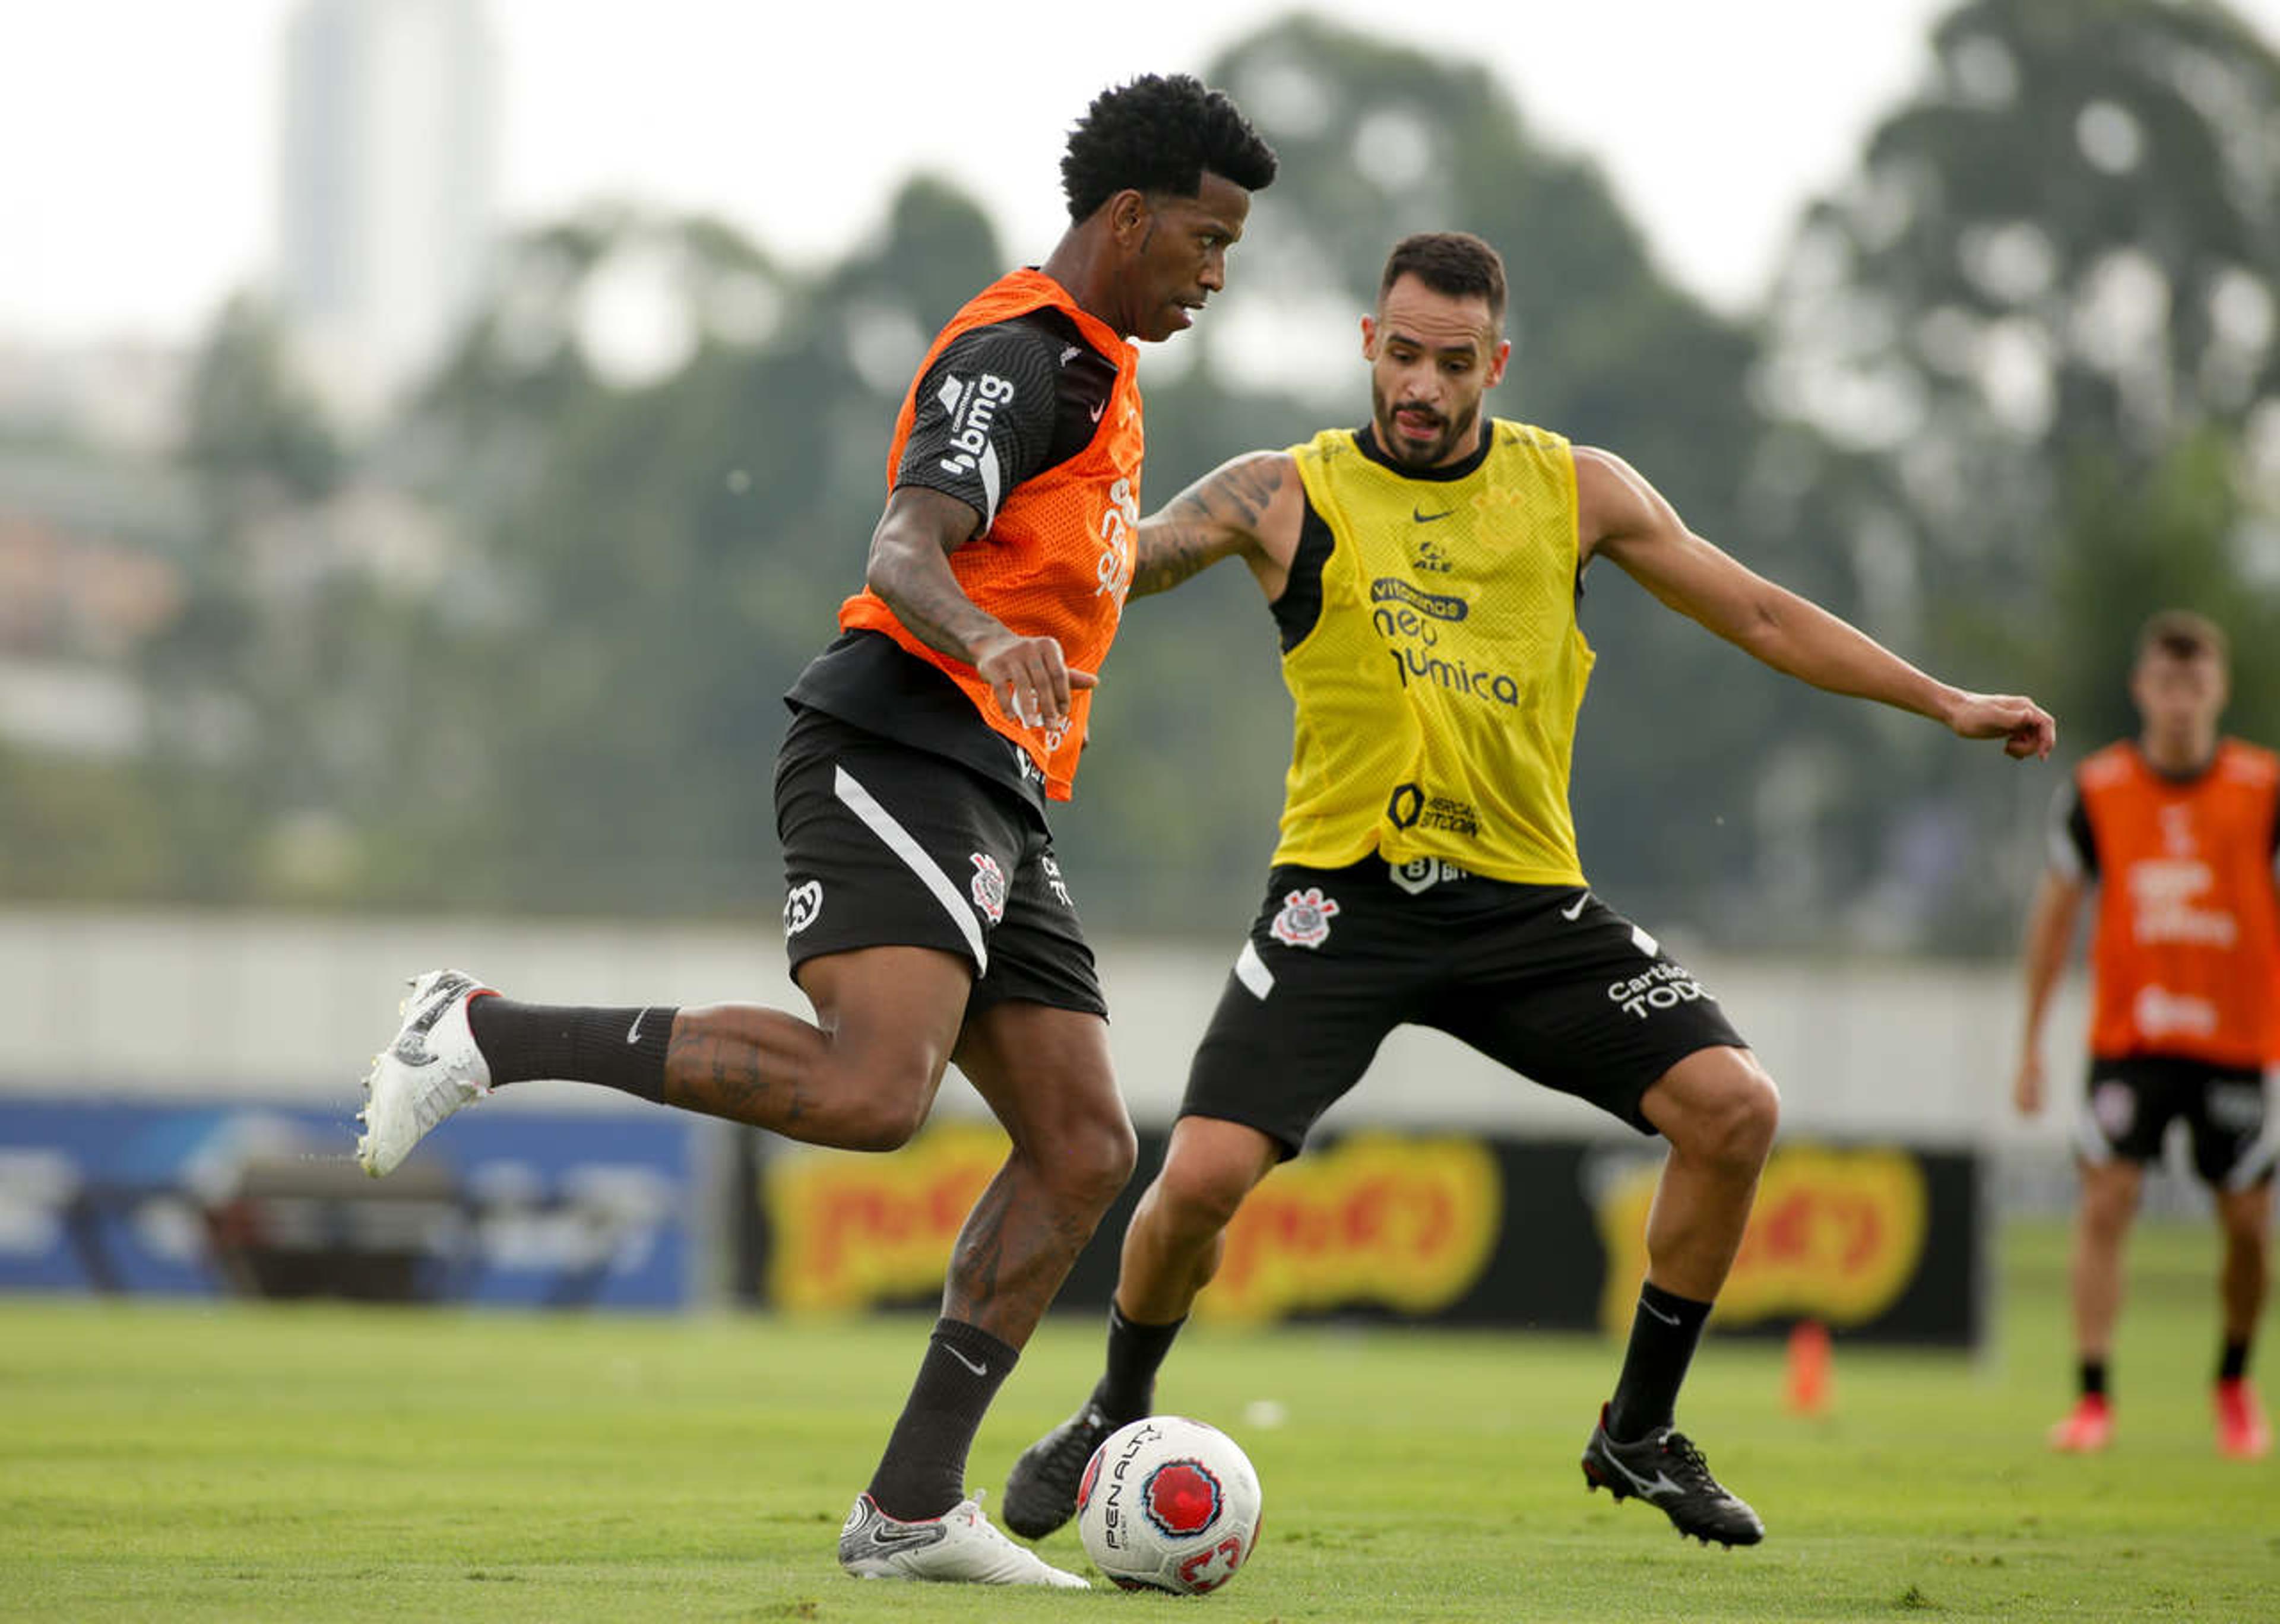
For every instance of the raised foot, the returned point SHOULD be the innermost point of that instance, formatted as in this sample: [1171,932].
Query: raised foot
[1666,1470]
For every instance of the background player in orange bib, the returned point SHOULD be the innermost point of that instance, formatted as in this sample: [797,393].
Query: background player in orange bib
[2179,831]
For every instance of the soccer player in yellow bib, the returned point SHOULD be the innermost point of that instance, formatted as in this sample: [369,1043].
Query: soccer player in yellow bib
[1423,573]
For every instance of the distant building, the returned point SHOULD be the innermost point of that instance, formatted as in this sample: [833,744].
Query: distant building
[387,189]
[72,607]
[123,394]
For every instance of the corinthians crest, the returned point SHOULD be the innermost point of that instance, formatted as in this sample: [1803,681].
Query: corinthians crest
[988,885]
[1306,918]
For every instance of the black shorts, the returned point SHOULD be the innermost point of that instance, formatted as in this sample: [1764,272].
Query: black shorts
[2130,1103]
[1544,979]
[887,845]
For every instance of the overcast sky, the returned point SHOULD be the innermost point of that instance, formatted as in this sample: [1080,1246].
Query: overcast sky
[137,138]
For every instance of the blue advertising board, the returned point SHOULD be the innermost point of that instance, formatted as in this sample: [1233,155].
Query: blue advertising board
[514,1204]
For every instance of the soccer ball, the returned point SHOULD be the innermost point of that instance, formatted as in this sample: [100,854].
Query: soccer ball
[1168,1504]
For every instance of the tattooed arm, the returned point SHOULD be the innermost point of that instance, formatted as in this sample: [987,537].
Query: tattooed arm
[909,568]
[1250,505]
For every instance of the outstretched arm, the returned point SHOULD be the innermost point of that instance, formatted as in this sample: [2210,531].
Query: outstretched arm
[1249,505]
[1623,517]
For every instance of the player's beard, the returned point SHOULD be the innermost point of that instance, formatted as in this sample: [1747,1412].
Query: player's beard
[1455,432]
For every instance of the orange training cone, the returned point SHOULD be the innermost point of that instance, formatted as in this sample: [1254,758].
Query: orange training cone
[1808,1367]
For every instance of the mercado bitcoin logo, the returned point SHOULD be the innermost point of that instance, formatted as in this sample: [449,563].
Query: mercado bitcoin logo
[1378,1219]
[851,1231]
[1836,1236]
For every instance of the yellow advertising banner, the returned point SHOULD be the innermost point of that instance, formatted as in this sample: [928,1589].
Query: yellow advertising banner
[1376,1218]
[1884,1242]
[1836,1236]
[853,1231]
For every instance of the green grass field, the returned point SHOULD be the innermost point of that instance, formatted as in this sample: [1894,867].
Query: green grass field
[167,1461]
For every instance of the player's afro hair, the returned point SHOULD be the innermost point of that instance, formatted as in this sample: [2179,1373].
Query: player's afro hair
[1159,134]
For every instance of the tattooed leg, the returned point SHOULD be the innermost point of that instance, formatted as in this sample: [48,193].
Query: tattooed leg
[1046,1075]
[861,1077]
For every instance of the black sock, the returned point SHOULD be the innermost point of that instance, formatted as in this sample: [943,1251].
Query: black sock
[2093,1378]
[1136,1353]
[923,1473]
[1664,1331]
[2232,1364]
[621,1049]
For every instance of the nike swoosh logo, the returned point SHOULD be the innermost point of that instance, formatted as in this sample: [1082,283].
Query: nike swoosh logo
[411,1046]
[885,1534]
[975,1366]
[633,1032]
[1424,517]
[1658,1314]
[1571,914]
[901,1534]
[1097,409]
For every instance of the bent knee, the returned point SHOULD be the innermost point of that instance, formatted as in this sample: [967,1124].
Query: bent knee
[1077,1143]
[1752,1116]
[883,1125]
[1202,1193]
[1091,1164]
[1732,1115]
[884,1111]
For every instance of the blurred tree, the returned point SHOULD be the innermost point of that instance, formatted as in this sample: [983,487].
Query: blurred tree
[234,683]
[253,431]
[2144,537]
[2035,333]
[75,830]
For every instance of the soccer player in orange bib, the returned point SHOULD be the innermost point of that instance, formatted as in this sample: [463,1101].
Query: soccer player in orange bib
[2179,831]
[925,916]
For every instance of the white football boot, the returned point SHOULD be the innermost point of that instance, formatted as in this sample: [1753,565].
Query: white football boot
[959,1547]
[429,1070]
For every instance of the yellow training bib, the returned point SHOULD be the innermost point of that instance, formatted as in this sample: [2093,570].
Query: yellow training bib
[1429,641]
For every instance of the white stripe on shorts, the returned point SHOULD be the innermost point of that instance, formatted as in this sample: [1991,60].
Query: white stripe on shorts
[1251,971]
[2090,1140]
[2262,1156]
[882,822]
